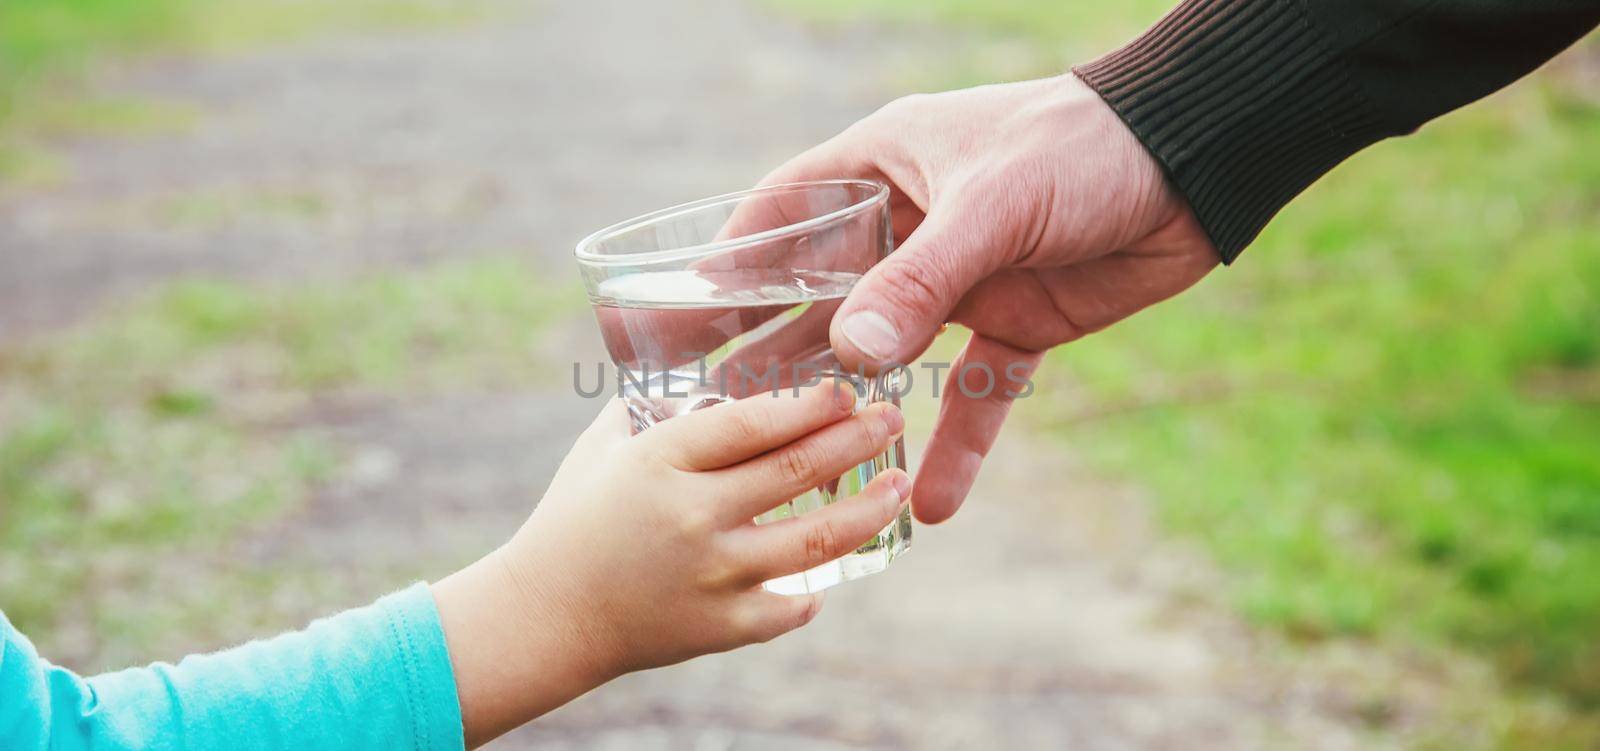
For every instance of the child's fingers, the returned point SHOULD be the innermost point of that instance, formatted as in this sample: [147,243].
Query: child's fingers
[730,433]
[768,551]
[818,458]
[763,616]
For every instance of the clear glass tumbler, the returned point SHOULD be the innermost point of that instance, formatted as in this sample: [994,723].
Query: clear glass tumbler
[731,297]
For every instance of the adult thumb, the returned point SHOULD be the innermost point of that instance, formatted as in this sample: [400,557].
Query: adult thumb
[895,311]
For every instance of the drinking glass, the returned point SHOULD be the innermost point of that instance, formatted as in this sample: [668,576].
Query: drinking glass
[730,297]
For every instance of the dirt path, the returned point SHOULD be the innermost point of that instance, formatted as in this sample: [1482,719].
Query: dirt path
[1045,616]
[520,134]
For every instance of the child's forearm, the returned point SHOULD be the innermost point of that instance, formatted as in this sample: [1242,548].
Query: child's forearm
[374,677]
[519,648]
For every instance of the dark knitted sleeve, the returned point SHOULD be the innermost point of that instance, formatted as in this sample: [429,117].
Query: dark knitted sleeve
[1248,102]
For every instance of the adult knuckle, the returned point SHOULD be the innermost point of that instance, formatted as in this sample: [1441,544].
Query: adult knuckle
[911,285]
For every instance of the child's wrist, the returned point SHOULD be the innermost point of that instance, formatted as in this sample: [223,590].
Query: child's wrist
[516,651]
[543,600]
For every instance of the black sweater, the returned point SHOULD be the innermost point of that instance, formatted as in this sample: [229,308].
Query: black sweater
[1248,102]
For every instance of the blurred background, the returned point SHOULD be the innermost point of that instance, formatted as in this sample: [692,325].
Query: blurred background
[287,314]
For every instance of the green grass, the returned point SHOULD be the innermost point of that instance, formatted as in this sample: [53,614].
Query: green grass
[109,116]
[45,40]
[1384,421]
[232,24]
[1070,25]
[48,46]
[134,449]
[41,38]
[982,41]
[215,208]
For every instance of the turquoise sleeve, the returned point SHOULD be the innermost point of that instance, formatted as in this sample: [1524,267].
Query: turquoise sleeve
[376,677]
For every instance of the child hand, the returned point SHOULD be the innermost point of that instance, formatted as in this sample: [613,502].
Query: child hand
[642,553]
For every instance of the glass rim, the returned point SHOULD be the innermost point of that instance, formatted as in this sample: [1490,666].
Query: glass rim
[586,256]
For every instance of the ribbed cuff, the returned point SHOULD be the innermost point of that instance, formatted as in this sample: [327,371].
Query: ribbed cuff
[1244,104]
[417,634]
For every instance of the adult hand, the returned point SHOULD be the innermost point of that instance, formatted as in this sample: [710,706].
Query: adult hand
[1027,212]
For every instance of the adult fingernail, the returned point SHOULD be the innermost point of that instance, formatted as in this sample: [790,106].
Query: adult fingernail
[873,334]
[893,420]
